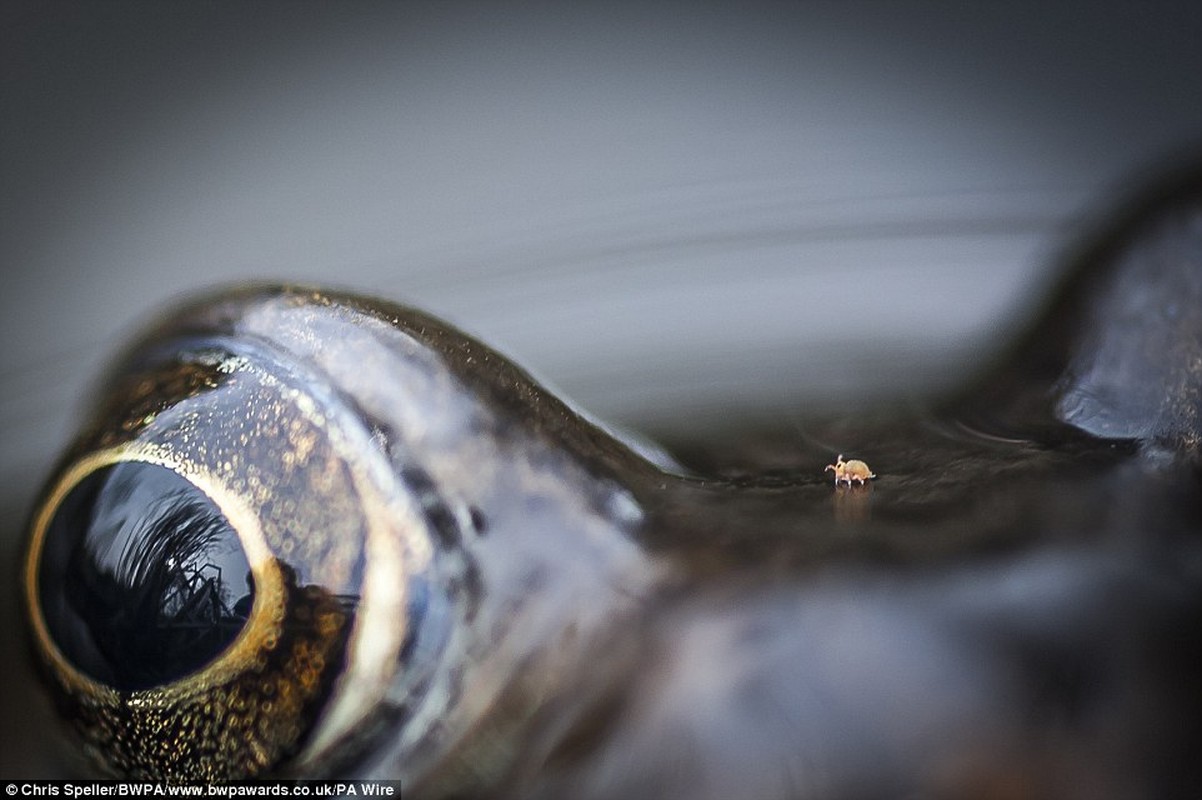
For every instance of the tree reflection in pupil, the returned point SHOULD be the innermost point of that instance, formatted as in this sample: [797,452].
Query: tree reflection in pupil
[143,579]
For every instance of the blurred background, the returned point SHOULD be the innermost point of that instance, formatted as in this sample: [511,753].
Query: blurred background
[673,212]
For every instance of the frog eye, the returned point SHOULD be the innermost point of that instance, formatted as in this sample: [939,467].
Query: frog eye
[220,579]
[143,581]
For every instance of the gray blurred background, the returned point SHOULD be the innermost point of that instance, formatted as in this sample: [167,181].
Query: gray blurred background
[669,211]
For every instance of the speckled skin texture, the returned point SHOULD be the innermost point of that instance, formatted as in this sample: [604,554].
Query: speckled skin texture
[482,593]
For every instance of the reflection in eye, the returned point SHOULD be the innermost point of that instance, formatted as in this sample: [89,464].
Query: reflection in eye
[144,580]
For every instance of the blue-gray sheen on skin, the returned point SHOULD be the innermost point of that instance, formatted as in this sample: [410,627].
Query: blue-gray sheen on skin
[1137,375]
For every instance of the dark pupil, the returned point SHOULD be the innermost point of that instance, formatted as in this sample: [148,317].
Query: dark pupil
[142,580]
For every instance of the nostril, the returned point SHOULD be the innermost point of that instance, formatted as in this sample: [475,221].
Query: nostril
[142,579]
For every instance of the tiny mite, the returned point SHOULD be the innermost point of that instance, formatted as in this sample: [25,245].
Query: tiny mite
[849,471]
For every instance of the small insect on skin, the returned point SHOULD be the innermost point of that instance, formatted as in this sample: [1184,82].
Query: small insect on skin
[849,471]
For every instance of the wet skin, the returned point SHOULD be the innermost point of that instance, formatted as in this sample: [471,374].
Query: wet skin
[455,579]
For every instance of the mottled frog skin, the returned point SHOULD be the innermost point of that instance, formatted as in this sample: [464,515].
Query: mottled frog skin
[451,577]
